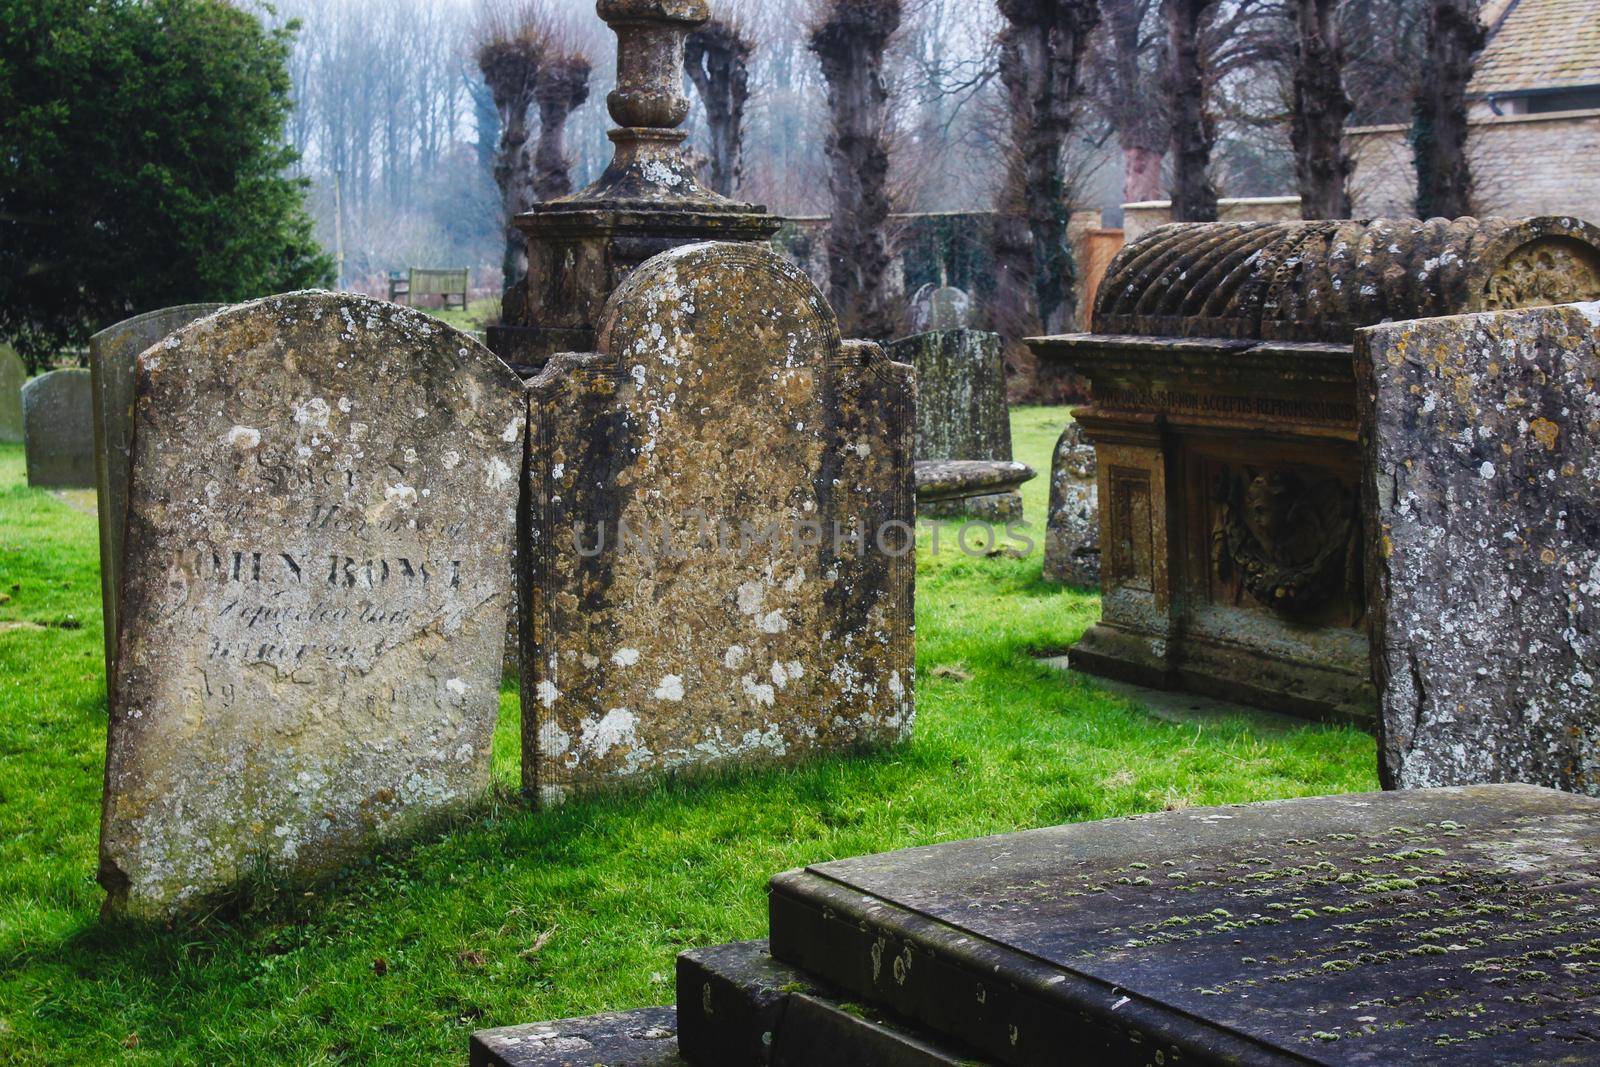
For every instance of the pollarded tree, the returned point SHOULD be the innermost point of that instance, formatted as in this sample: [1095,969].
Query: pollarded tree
[1129,69]
[143,165]
[717,59]
[1453,36]
[1041,49]
[509,53]
[1194,131]
[849,37]
[1319,109]
[561,87]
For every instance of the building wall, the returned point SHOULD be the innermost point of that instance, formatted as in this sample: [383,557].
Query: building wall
[1139,219]
[1521,165]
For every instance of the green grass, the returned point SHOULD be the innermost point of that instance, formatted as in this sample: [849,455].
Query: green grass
[472,317]
[515,916]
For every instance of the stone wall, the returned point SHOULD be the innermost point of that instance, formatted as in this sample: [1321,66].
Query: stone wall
[1140,218]
[1521,165]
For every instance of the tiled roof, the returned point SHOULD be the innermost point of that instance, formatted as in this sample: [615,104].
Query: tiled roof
[1541,44]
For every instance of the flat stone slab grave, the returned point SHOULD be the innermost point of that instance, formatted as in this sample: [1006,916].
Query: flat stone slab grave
[1429,926]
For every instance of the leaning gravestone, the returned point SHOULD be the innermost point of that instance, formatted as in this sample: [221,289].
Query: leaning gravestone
[112,353]
[317,574]
[12,375]
[961,394]
[1072,532]
[57,429]
[721,550]
[1482,487]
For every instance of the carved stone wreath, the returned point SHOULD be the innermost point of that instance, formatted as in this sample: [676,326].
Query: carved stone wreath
[1287,540]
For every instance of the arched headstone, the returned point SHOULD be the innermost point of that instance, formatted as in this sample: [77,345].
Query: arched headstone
[58,431]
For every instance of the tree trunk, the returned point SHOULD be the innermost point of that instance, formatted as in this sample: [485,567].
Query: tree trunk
[1194,133]
[562,87]
[1316,127]
[1041,49]
[1141,174]
[1439,128]
[1130,69]
[850,40]
[510,68]
[717,59]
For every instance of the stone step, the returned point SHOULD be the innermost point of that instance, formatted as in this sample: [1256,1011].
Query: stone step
[738,1007]
[644,1038]
[1383,929]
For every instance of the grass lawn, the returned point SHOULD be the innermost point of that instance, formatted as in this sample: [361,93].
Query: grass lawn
[517,916]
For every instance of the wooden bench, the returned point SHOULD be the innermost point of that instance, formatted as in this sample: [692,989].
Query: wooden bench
[447,284]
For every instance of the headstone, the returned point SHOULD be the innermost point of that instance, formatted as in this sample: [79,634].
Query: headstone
[1425,926]
[317,572]
[698,595]
[12,375]
[112,353]
[1482,463]
[962,411]
[1072,534]
[940,309]
[58,430]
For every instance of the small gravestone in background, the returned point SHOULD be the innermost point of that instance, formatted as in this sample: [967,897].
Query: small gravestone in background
[12,375]
[320,522]
[58,430]
[696,597]
[961,394]
[1482,485]
[1072,534]
[112,353]
[937,310]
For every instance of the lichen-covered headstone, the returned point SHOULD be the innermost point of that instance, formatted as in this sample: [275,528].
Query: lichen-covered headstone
[961,394]
[112,353]
[317,571]
[1482,491]
[12,375]
[698,593]
[1072,532]
[58,432]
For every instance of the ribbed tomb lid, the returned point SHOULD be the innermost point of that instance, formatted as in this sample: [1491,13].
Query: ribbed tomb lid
[1321,281]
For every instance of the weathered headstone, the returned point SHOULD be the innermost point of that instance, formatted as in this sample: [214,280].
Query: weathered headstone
[58,431]
[961,394]
[12,375]
[698,593]
[1072,532]
[317,572]
[1481,438]
[940,309]
[112,353]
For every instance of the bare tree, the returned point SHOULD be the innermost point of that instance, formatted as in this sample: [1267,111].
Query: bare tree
[717,59]
[849,38]
[509,53]
[1194,131]
[1320,108]
[1130,68]
[1041,48]
[561,85]
[1453,38]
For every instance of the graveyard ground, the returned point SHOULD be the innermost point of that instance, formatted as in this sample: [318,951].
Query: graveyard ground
[515,916]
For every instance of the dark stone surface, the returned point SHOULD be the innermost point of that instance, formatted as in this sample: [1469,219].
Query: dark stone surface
[112,353]
[961,394]
[1481,446]
[1072,531]
[12,375]
[738,442]
[1452,925]
[58,431]
[643,1038]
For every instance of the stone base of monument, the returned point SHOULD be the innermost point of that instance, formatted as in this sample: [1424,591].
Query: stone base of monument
[983,489]
[1389,928]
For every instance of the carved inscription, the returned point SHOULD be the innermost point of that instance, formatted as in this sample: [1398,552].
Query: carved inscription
[1220,404]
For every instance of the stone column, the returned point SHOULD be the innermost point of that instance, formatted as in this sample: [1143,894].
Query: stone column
[648,201]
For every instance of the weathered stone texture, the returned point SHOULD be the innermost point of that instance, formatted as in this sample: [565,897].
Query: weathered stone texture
[961,394]
[1482,469]
[1072,533]
[716,445]
[12,375]
[58,431]
[317,571]
[938,310]
[971,488]
[112,356]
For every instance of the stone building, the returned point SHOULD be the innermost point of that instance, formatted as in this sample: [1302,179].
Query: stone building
[1535,120]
